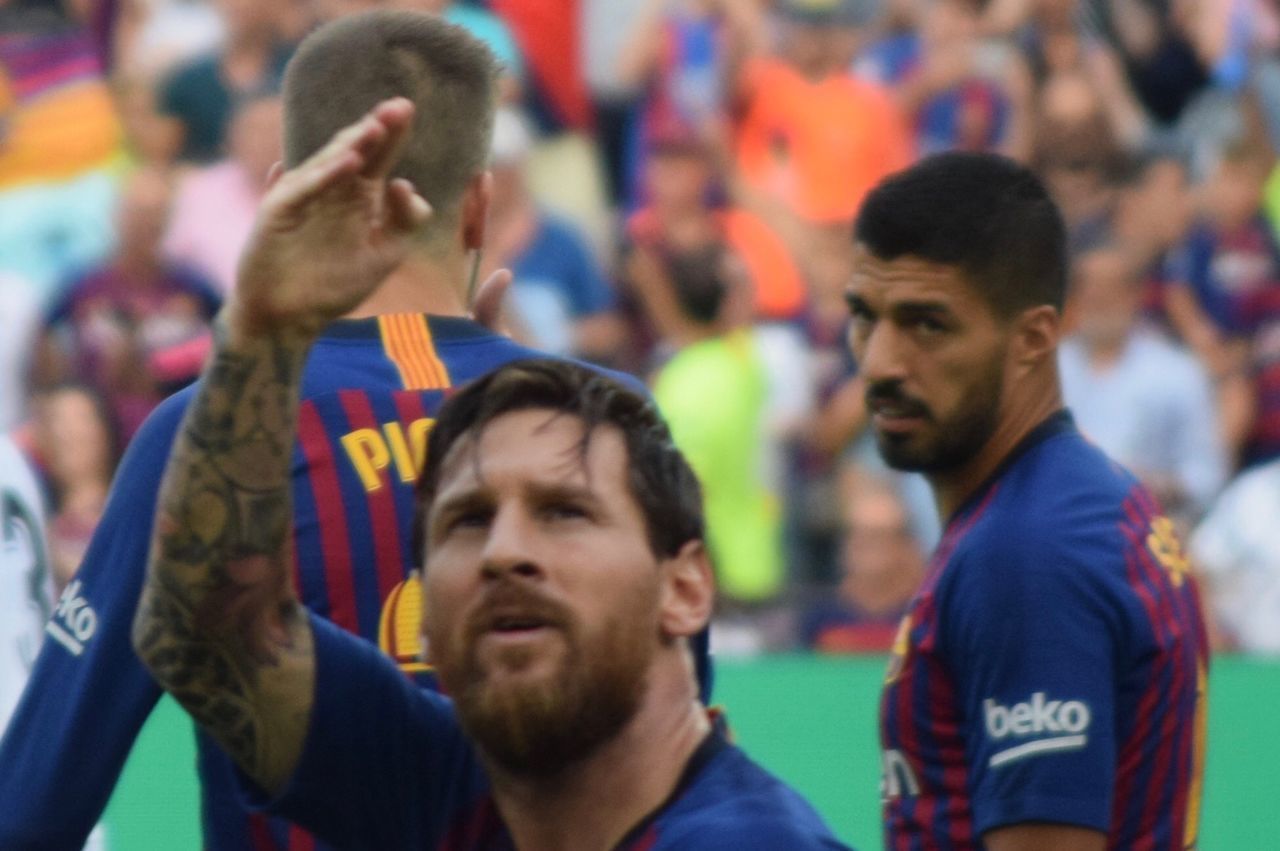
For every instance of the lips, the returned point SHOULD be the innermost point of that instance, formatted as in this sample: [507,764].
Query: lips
[512,611]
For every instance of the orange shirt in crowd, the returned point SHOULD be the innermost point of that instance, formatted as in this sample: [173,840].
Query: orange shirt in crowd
[778,289]
[819,145]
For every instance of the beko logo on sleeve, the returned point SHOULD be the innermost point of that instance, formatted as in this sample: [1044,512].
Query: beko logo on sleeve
[1065,721]
[74,620]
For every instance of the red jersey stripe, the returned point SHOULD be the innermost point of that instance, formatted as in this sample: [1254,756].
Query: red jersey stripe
[382,507]
[335,541]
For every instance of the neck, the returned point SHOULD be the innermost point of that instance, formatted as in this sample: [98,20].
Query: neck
[424,283]
[593,804]
[953,487]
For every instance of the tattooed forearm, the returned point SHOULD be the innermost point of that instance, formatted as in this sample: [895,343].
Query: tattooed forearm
[218,624]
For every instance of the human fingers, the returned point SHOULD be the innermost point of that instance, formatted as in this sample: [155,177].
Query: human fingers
[382,153]
[406,210]
[339,158]
[487,308]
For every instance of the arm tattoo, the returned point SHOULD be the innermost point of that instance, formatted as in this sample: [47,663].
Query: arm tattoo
[218,624]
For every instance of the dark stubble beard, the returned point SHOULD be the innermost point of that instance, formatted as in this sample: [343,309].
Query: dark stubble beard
[539,728]
[956,441]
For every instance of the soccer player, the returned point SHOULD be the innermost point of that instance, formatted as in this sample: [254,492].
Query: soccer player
[565,576]
[1047,687]
[370,390]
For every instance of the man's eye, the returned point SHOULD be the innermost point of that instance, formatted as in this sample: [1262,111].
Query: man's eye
[564,511]
[469,520]
[925,325]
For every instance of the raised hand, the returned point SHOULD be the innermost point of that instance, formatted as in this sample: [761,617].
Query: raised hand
[330,230]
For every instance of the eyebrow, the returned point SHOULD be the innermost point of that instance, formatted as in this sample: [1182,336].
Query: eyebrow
[901,308]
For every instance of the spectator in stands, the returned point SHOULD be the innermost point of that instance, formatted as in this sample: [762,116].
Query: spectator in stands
[683,216]
[78,445]
[59,141]
[961,92]
[115,324]
[214,206]
[813,135]
[489,28]
[712,393]
[20,309]
[1220,294]
[882,563]
[199,97]
[1236,552]
[562,301]
[683,211]
[679,52]
[1147,402]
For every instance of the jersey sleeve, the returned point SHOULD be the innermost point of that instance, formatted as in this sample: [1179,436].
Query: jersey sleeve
[384,763]
[88,695]
[1031,641]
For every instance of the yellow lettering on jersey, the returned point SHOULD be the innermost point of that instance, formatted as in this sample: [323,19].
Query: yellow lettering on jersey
[371,451]
[400,452]
[1165,546]
[418,431]
[369,454]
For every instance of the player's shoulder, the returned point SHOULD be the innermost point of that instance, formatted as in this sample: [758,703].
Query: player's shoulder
[735,804]
[1061,506]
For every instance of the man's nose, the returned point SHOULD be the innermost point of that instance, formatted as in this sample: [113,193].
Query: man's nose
[511,546]
[880,355]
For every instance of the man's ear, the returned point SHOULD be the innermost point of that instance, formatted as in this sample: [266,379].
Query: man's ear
[1036,336]
[475,210]
[688,591]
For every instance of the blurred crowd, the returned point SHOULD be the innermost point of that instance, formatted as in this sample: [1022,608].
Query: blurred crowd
[674,187]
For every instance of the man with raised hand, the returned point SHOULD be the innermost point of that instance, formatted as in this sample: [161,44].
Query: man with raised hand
[370,388]
[565,577]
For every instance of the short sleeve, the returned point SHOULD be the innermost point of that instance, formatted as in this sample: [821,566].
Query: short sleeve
[1031,639]
[385,764]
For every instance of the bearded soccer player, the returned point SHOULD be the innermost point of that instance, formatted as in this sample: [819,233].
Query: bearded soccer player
[565,577]
[370,389]
[1047,688]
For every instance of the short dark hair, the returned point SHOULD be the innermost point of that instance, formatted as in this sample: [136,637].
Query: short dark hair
[983,213]
[698,283]
[347,67]
[659,477]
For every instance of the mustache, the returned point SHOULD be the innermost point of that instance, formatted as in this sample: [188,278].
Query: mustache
[514,600]
[890,392]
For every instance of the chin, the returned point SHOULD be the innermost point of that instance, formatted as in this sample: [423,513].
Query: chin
[903,453]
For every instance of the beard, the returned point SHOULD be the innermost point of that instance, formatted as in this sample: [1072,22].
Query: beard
[538,727]
[943,445]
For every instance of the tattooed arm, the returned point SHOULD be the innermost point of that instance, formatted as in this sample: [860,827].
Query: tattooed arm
[218,624]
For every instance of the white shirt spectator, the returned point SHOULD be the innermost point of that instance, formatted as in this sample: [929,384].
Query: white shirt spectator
[21,310]
[26,583]
[1152,410]
[1236,548]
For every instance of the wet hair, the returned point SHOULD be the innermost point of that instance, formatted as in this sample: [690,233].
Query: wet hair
[658,476]
[985,214]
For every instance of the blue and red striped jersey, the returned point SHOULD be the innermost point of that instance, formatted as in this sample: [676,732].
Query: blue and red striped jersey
[369,391]
[408,779]
[1052,667]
